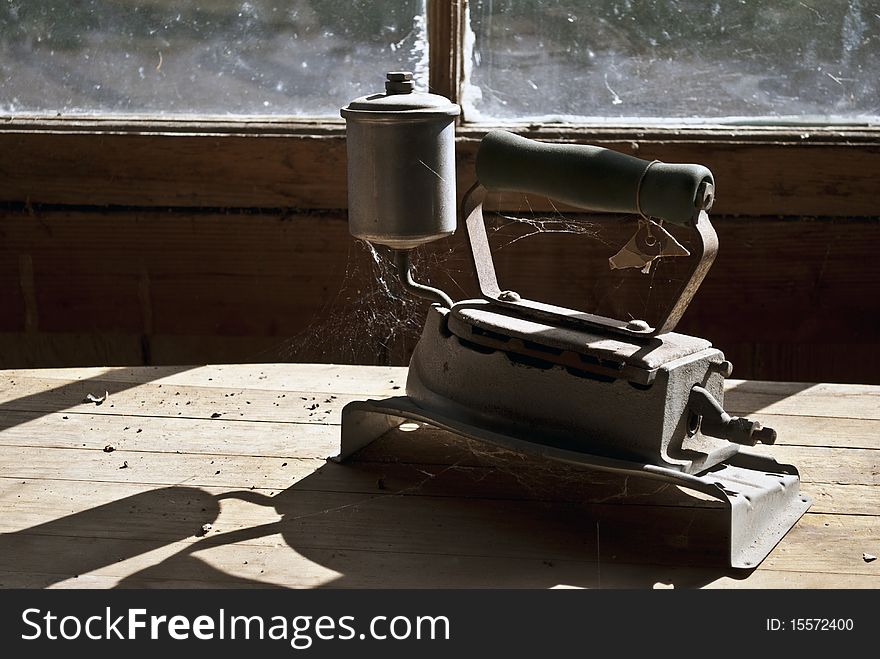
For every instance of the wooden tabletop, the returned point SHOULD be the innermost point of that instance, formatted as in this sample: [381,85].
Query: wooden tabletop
[216,476]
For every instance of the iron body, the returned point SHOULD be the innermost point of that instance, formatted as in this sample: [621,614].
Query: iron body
[510,397]
[622,396]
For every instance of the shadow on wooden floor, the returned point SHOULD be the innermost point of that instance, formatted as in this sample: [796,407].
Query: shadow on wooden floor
[477,521]
[71,394]
[748,398]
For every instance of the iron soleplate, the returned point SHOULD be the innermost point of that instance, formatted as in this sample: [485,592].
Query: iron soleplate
[760,496]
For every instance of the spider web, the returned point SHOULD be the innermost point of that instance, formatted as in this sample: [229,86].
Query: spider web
[373,319]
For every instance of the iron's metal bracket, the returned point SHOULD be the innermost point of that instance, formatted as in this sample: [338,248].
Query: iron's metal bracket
[760,497]
[704,251]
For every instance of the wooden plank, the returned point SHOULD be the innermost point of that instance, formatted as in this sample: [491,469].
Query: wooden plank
[446,573]
[842,410]
[32,349]
[823,469]
[113,510]
[204,470]
[793,430]
[157,400]
[40,500]
[817,430]
[766,578]
[241,404]
[52,349]
[275,165]
[339,568]
[815,464]
[834,498]
[780,177]
[168,435]
[811,542]
[801,362]
[268,170]
[735,387]
[422,524]
[365,548]
[820,465]
[469,476]
[16,293]
[444,47]
[158,272]
[339,379]
[620,578]
[848,403]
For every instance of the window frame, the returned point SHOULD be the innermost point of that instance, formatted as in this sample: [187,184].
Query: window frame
[300,163]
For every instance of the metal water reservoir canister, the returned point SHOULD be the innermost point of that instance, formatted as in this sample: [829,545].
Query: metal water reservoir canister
[401,165]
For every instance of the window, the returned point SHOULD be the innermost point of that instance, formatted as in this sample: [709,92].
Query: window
[143,92]
[223,57]
[594,61]
[675,61]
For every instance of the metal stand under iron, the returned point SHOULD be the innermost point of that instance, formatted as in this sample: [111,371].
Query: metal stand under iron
[610,394]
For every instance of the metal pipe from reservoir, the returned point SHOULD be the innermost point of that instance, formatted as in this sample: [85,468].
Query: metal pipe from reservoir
[404,271]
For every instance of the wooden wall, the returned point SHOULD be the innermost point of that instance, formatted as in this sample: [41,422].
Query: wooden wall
[88,279]
[787,298]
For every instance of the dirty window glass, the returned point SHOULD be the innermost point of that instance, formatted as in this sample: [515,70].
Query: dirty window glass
[759,61]
[215,57]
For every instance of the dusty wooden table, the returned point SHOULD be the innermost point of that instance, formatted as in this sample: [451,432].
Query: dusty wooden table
[117,493]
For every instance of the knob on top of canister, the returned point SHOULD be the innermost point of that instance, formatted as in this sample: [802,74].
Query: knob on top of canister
[400,96]
[399,82]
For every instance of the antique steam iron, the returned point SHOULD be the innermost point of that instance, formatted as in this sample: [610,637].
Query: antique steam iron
[617,395]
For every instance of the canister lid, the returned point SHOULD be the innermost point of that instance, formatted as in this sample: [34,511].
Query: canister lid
[400,97]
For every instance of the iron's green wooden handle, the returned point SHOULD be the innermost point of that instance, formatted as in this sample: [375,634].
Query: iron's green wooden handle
[593,178]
